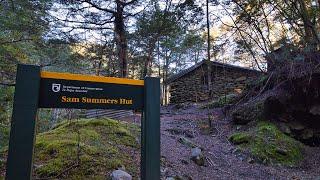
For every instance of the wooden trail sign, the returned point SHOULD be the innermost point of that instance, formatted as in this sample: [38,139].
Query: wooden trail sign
[35,89]
[61,90]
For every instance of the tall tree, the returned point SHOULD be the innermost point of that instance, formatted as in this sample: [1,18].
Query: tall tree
[163,20]
[208,62]
[151,26]
[100,17]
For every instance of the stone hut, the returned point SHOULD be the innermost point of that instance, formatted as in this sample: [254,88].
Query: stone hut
[190,85]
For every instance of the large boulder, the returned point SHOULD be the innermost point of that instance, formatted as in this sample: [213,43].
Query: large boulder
[273,107]
[266,144]
[248,112]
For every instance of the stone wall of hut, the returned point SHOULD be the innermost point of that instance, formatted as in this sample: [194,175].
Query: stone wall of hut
[192,87]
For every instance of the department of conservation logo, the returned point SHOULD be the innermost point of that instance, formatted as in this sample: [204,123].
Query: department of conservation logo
[56,87]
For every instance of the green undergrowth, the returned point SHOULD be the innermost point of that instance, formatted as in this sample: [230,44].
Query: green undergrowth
[86,149]
[4,137]
[240,138]
[221,101]
[268,145]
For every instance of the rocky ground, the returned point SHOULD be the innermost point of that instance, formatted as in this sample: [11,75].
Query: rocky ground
[222,159]
[186,127]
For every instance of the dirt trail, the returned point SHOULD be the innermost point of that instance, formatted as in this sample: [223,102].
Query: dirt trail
[222,159]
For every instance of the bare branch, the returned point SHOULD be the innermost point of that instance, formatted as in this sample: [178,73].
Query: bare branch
[246,44]
[130,2]
[104,22]
[98,7]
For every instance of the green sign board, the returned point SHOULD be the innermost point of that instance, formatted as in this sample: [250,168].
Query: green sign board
[36,89]
[61,90]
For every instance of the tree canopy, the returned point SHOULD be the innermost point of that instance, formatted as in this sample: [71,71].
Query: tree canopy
[136,38]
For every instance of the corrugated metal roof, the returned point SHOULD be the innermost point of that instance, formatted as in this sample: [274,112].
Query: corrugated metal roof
[192,68]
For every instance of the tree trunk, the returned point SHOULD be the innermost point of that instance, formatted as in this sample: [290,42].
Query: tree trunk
[208,61]
[121,39]
[54,117]
[148,62]
[311,37]
[146,66]
[165,76]
[133,69]
[98,68]
[208,51]
[159,58]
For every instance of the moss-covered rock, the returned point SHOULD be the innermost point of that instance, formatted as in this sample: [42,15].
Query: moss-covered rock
[294,102]
[268,144]
[240,138]
[86,149]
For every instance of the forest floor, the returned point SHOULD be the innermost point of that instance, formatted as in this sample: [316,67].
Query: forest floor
[223,161]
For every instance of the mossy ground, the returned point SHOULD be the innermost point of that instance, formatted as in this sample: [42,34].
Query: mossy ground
[269,145]
[240,138]
[104,146]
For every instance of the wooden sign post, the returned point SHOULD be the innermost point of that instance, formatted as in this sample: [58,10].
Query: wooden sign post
[35,89]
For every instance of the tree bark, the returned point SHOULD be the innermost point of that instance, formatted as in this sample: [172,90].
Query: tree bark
[311,36]
[98,68]
[121,38]
[208,62]
[158,51]
[54,117]
[148,62]
[165,76]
